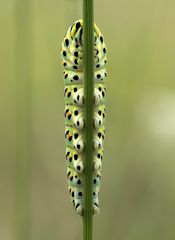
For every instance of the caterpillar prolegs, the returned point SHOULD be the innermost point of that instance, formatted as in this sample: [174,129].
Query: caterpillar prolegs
[72,61]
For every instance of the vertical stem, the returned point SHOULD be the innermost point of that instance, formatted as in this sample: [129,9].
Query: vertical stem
[23,63]
[88,56]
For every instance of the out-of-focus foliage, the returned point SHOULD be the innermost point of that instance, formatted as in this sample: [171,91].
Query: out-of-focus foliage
[137,194]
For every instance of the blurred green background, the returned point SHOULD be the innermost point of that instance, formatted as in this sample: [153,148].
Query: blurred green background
[137,194]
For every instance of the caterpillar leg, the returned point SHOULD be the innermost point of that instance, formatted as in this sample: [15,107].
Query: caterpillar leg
[74,138]
[77,199]
[96,209]
[74,160]
[99,136]
[74,95]
[74,116]
[97,160]
[99,94]
[74,179]
[76,190]
[79,209]
[99,116]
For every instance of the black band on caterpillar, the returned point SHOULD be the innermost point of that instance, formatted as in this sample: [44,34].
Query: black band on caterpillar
[72,61]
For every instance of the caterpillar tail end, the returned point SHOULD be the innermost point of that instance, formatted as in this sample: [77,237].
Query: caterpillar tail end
[80,210]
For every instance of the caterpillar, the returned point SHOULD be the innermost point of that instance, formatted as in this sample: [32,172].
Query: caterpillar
[72,61]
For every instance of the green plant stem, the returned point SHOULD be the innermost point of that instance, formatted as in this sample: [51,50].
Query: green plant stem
[88,56]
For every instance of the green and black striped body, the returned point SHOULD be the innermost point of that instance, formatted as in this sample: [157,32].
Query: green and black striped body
[72,61]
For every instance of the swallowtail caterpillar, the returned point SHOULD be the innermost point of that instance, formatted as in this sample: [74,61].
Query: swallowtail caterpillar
[72,61]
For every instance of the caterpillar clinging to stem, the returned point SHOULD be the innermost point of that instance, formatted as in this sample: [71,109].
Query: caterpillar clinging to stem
[72,61]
